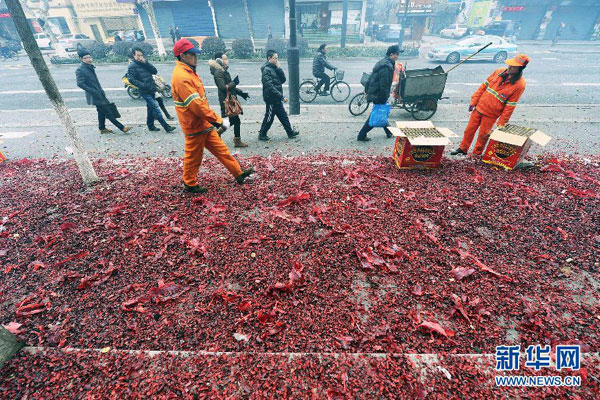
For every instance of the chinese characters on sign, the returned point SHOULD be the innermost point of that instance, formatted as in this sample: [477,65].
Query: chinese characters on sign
[538,357]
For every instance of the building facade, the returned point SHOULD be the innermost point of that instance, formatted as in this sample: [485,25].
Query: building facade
[231,19]
[540,19]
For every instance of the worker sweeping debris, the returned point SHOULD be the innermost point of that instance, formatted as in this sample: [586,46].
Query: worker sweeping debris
[495,100]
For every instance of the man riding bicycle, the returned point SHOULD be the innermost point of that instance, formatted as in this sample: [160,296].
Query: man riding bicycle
[319,64]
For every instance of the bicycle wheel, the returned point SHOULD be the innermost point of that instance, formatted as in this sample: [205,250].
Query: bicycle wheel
[340,91]
[359,104]
[308,94]
[423,109]
[14,55]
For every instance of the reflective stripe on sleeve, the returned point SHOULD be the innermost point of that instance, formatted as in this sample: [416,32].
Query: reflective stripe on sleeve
[189,100]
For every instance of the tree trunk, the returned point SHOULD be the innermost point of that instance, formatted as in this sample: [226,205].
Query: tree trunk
[37,60]
[149,8]
[249,22]
[42,13]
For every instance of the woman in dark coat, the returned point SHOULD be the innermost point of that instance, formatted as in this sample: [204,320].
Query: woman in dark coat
[219,68]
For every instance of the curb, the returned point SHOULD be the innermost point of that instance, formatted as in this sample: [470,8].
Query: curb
[574,51]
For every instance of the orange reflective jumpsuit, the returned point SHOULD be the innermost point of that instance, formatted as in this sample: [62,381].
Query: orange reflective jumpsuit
[496,98]
[196,118]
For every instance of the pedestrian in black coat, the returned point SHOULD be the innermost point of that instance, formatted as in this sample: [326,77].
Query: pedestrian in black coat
[379,87]
[140,74]
[219,68]
[273,79]
[94,94]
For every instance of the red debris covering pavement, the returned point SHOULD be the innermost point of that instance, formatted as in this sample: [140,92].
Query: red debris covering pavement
[318,254]
[95,375]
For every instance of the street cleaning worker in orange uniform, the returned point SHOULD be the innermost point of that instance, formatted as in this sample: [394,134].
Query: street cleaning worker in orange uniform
[496,98]
[198,121]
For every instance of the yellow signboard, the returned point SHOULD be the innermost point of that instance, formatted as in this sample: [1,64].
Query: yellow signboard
[102,8]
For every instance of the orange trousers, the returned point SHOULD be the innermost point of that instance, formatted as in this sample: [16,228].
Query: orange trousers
[485,125]
[194,151]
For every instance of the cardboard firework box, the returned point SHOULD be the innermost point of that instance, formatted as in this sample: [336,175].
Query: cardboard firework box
[419,144]
[509,145]
[2,157]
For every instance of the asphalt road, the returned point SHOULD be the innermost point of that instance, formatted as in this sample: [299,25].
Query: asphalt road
[562,99]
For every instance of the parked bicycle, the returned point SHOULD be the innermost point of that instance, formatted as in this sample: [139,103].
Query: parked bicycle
[339,90]
[9,54]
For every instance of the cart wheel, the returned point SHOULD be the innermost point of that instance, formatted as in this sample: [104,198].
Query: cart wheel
[359,104]
[308,94]
[407,106]
[340,91]
[133,92]
[423,109]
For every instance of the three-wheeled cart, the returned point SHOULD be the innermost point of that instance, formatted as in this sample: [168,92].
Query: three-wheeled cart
[420,91]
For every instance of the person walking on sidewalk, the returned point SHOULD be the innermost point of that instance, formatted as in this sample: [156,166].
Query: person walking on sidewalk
[159,99]
[496,98]
[558,33]
[319,64]
[198,120]
[88,81]
[273,79]
[172,34]
[379,87]
[140,73]
[219,68]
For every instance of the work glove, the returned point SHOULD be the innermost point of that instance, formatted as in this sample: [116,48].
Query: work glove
[236,80]
[244,95]
[471,108]
[225,124]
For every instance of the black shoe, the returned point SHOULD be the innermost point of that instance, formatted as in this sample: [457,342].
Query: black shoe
[364,139]
[389,135]
[457,152]
[194,189]
[170,118]
[323,94]
[245,174]
[264,138]
[293,134]
[153,129]
[169,128]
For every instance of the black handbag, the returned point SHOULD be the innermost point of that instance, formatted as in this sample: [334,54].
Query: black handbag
[112,108]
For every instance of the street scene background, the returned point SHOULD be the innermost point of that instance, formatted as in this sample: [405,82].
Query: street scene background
[331,273]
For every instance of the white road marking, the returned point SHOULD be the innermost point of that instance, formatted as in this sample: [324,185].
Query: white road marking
[14,135]
[353,85]
[122,89]
[341,106]
[582,84]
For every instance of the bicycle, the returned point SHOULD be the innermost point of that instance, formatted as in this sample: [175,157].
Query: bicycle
[8,54]
[339,90]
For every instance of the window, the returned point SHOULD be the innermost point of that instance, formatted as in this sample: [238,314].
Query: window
[61,23]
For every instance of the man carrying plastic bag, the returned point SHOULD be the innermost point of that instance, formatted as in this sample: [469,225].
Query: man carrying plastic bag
[378,91]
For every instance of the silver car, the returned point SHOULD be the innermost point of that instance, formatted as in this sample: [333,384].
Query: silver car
[76,42]
[499,51]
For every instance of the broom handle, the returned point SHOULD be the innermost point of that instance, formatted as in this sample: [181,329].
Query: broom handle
[472,55]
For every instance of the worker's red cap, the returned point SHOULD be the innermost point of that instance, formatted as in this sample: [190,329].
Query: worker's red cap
[519,61]
[184,45]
